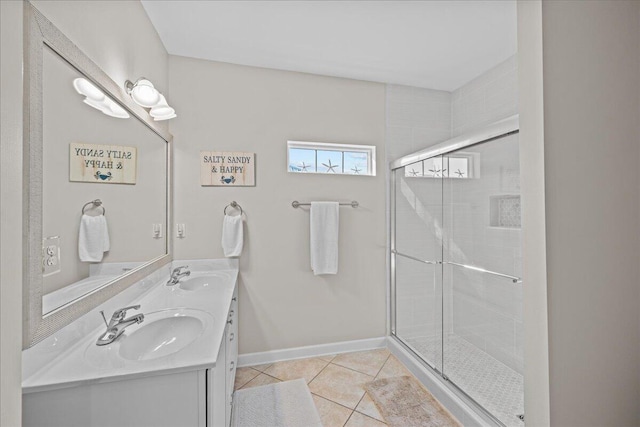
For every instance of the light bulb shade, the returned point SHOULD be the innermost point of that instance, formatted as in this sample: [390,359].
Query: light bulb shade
[95,98]
[114,110]
[162,109]
[86,88]
[167,117]
[144,94]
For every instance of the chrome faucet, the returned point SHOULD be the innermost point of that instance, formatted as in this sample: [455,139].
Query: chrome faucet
[118,324]
[177,274]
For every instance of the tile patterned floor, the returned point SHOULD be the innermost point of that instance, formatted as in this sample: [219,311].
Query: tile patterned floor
[336,383]
[494,385]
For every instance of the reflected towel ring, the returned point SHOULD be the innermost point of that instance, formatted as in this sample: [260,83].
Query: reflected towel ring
[97,203]
[233,204]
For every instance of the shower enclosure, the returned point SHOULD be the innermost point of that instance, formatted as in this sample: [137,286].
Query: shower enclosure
[456,261]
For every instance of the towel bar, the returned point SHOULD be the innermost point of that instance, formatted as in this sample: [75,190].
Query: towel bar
[297,204]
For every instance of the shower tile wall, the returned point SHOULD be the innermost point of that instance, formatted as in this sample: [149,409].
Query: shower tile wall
[484,310]
[416,118]
[489,97]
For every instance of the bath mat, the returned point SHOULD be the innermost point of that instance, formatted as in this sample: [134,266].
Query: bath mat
[285,404]
[403,402]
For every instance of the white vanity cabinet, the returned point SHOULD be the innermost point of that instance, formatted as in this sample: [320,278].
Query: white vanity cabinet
[185,396]
[221,379]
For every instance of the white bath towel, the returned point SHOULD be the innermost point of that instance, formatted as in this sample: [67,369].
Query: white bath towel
[232,235]
[324,227]
[93,239]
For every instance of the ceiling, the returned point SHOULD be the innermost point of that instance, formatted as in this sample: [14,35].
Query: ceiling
[432,44]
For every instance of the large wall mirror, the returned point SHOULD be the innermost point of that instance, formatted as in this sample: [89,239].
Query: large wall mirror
[98,170]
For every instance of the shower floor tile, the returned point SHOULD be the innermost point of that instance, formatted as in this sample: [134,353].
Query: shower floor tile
[491,383]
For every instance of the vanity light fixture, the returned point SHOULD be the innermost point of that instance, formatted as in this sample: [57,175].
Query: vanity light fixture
[143,92]
[146,95]
[95,98]
[162,111]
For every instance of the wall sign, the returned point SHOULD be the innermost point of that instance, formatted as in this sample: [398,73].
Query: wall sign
[227,168]
[108,164]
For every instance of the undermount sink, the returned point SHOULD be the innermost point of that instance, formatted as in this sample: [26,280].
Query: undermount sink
[162,333]
[195,283]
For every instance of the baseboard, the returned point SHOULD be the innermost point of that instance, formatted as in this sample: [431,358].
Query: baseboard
[463,411]
[250,359]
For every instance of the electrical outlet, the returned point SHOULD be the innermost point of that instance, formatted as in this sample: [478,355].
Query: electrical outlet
[157,231]
[181,231]
[50,255]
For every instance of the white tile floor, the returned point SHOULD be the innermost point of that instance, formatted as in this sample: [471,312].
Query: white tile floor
[491,383]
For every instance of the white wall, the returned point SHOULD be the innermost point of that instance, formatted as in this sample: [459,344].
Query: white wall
[487,98]
[119,37]
[257,110]
[591,145]
[416,118]
[11,212]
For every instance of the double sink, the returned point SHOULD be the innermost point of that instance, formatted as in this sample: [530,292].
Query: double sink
[162,333]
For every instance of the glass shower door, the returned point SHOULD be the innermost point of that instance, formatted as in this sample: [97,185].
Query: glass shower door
[482,293]
[417,255]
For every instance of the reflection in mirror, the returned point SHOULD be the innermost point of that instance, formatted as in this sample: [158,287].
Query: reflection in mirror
[93,149]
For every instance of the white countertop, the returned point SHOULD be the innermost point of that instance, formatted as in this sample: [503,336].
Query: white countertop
[70,357]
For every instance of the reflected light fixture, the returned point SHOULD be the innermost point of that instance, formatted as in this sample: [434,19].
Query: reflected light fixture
[146,95]
[95,98]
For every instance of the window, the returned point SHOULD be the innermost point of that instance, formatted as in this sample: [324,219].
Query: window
[460,166]
[325,158]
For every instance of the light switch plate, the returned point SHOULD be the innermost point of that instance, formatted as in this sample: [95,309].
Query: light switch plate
[181,231]
[157,231]
[50,255]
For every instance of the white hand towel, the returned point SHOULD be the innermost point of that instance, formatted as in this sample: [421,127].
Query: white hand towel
[232,235]
[93,239]
[324,237]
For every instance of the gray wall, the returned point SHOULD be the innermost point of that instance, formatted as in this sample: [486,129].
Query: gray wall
[534,258]
[591,145]
[11,212]
[230,107]
[119,37]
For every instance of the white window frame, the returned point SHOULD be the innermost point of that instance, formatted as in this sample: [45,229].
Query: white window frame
[369,150]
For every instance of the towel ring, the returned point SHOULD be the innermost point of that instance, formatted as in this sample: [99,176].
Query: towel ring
[97,203]
[233,204]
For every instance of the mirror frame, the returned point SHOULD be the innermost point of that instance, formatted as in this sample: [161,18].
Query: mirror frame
[38,32]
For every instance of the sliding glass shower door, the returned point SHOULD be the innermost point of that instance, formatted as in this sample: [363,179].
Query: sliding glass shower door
[456,264]
[418,257]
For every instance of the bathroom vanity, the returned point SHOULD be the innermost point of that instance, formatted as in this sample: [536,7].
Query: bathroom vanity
[176,367]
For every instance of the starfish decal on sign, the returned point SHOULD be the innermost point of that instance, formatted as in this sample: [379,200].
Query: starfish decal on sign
[356,170]
[413,172]
[304,166]
[459,173]
[330,167]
